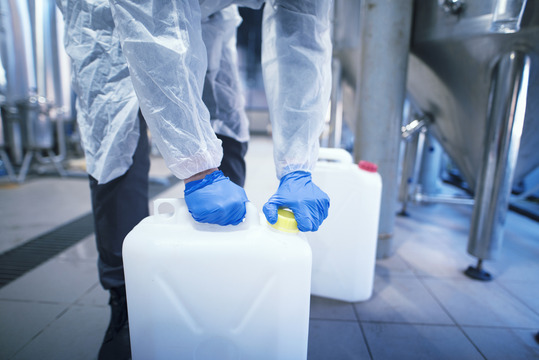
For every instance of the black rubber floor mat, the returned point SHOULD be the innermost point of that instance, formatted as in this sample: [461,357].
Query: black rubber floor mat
[31,254]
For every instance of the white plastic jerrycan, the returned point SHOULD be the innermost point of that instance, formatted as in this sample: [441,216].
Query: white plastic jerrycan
[344,247]
[201,291]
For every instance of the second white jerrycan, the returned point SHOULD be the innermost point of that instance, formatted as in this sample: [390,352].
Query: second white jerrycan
[344,247]
[201,291]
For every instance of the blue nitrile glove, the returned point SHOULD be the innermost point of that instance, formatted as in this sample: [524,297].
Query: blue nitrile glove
[216,200]
[298,193]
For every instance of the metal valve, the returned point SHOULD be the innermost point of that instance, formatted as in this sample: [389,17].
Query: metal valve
[452,6]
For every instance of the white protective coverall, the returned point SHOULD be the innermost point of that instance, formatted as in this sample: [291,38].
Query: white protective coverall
[164,45]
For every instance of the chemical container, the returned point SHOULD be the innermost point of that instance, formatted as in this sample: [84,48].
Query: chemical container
[201,291]
[344,247]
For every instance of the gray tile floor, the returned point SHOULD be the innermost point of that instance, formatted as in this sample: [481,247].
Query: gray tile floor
[422,307]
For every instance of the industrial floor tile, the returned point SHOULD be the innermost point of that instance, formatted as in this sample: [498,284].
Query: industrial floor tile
[482,304]
[336,340]
[525,291]
[95,296]
[402,300]
[393,266]
[418,342]
[329,309]
[75,335]
[503,344]
[439,249]
[22,321]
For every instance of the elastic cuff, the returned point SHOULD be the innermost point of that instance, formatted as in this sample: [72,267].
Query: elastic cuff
[203,160]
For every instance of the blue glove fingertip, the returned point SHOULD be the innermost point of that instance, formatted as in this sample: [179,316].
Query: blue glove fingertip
[305,223]
[270,211]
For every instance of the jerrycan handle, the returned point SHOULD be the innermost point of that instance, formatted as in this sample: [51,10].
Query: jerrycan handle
[181,213]
[335,155]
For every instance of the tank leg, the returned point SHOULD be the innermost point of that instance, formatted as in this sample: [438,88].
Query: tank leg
[411,164]
[7,164]
[477,272]
[25,166]
[404,210]
[504,128]
[407,183]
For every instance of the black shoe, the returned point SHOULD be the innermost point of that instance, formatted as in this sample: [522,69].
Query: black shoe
[537,337]
[116,344]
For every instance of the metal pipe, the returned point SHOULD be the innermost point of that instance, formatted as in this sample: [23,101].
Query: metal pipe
[336,110]
[414,126]
[420,197]
[25,166]
[508,15]
[7,164]
[408,184]
[417,171]
[2,137]
[407,172]
[38,124]
[385,29]
[527,193]
[431,166]
[3,155]
[49,74]
[408,155]
[507,107]
[13,133]
[418,156]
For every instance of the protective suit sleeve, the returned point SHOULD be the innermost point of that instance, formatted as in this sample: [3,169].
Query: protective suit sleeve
[296,64]
[222,93]
[162,43]
[297,192]
[107,106]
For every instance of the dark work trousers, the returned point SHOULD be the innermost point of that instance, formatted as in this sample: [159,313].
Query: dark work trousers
[118,206]
[233,163]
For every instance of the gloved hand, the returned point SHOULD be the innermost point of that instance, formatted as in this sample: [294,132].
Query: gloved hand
[215,200]
[298,193]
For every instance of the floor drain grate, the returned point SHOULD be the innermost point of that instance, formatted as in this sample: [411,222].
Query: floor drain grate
[18,261]
[27,256]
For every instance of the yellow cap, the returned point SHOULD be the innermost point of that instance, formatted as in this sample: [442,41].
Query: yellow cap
[286,221]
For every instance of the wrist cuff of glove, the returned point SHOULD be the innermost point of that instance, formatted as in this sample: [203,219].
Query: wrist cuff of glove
[296,175]
[199,184]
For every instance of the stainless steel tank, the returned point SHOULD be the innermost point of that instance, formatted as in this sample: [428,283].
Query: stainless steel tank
[473,69]
[453,56]
[37,92]
[450,68]
[16,51]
